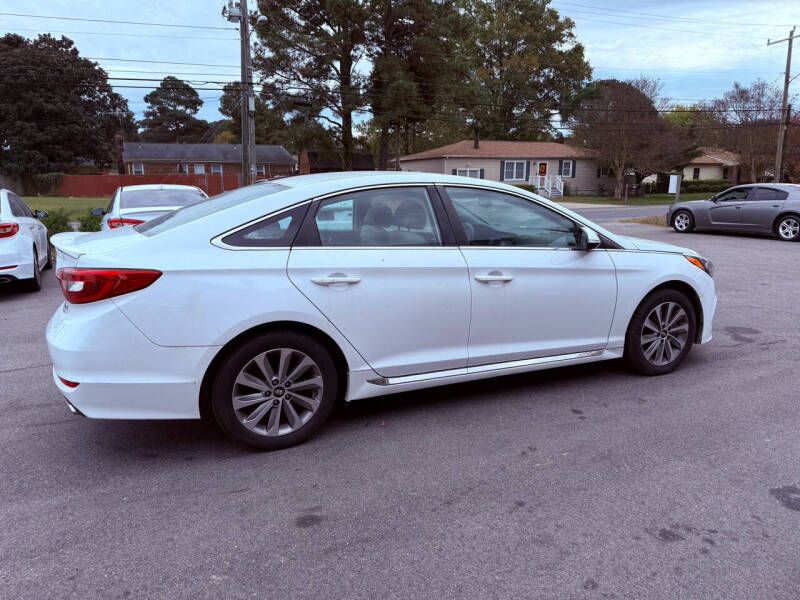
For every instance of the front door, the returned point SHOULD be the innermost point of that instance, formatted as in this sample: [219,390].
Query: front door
[533,293]
[726,209]
[383,277]
[761,208]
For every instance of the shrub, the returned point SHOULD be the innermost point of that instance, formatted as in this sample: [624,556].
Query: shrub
[42,184]
[57,222]
[526,187]
[704,185]
[90,222]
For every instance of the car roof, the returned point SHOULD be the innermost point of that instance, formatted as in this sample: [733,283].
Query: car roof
[352,179]
[158,186]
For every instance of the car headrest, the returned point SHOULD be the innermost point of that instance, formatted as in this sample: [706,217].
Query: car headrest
[410,215]
[379,214]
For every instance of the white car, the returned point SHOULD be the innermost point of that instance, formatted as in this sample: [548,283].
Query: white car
[136,204]
[264,305]
[24,251]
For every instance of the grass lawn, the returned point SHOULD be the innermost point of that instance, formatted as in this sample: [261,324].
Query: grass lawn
[641,201]
[75,207]
[659,220]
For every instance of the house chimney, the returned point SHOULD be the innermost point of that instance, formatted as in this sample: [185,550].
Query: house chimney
[476,144]
[119,148]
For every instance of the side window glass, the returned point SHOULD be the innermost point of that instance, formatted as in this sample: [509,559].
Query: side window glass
[768,194]
[111,203]
[18,208]
[496,219]
[380,217]
[734,195]
[277,231]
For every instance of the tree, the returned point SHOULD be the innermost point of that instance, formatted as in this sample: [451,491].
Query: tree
[54,107]
[169,116]
[749,117]
[313,47]
[525,64]
[697,121]
[621,121]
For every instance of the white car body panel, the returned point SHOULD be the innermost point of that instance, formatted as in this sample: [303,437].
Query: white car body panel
[16,251]
[416,318]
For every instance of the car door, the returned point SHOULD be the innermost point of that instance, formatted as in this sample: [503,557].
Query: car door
[533,293]
[761,208]
[725,211]
[381,264]
[29,226]
[39,230]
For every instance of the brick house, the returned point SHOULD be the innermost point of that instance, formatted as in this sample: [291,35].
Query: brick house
[141,158]
[312,161]
[553,169]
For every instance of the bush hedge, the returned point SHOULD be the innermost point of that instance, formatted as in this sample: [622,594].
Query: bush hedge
[90,222]
[704,185]
[41,184]
[57,222]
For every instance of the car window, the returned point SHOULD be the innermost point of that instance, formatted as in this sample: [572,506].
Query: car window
[208,206]
[761,193]
[733,195]
[277,231]
[381,217]
[159,198]
[18,207]
[111,203]
[492,218]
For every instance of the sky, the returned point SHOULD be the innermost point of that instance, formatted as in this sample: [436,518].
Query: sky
[696,48]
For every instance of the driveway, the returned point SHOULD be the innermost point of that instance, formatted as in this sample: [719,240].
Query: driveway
[583,482]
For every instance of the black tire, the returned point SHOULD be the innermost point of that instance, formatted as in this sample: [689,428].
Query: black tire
[35,283]
[223,387]
[634,338]
[49,264]
[677,226]
[787,228]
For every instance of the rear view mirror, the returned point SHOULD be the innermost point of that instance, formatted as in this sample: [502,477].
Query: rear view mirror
[97,212]
[41,214]
[588,239]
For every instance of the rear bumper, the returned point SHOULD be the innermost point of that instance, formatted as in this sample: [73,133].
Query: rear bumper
[120,373]
[22,267]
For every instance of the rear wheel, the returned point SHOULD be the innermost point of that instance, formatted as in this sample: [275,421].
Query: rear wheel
[275,390]
[787,228]
[35,283]
[683,221]
[661,333]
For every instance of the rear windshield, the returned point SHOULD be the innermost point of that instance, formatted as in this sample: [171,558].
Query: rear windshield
[207,207]
[159,198]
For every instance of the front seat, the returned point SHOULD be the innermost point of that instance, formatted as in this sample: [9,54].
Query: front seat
[409,216]
[376,221]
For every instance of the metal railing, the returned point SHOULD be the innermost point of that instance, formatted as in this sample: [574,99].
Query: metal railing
[549,185]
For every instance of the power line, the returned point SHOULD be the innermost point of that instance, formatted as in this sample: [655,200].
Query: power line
[139,35]
[150,24]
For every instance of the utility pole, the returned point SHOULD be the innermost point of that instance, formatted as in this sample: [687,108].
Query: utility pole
[784,120]
[248,101]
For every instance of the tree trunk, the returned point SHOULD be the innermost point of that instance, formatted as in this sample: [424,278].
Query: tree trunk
[383,148]
[346,98]
[406,138]
[620,184]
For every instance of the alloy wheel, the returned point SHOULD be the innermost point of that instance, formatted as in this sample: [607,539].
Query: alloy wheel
[665,333]
[277,392]
[681,222]
[789,228]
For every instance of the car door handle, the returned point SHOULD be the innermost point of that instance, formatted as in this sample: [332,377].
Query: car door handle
[335,279]
[493,277]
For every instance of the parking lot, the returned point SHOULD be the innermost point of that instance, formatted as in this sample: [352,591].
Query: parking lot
[580,482]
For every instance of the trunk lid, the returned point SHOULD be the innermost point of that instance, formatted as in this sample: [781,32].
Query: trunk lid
[72,245]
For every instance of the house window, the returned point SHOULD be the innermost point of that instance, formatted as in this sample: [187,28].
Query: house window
[183,168]
[216,168]
[604,172]
[137,168]
[725,173]
[261,169]
[514,170]
[696,173]
[476,173]
[199,168]
[567,167]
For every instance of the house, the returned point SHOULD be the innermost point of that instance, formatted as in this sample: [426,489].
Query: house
[553,169]
[312,161]
[140,158]
[713,163]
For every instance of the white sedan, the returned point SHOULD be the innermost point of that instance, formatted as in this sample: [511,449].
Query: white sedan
[264,305]
[24,251]
[136,204]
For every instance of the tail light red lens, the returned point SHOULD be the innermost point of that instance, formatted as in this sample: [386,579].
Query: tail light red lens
[114,223]
[68,383]
[8,229]
[82,285]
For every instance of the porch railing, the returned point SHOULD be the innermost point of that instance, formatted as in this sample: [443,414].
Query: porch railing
[548,185]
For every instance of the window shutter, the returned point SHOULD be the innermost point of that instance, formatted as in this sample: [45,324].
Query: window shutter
[502,170]
[482,177]
[455,171]
[527,170]
[560,167]
[574,162]
[598,172]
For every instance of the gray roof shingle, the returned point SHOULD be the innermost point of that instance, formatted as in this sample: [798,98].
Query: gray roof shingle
[220,153]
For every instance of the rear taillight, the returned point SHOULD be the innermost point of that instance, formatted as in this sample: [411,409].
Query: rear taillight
[68,383]
[114,223]
[82,285]
[8,229]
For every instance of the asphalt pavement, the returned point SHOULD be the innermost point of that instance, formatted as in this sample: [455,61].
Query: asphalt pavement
[581,482]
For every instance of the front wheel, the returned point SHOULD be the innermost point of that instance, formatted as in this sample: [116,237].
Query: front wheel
[682,221]
[661,333]
[788,228]
[275,390]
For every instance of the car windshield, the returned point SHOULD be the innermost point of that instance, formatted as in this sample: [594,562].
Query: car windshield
[207,207]
[159,197]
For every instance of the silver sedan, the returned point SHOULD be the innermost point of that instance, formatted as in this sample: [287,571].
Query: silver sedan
[772,208]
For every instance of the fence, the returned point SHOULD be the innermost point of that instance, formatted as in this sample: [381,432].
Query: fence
[104,185]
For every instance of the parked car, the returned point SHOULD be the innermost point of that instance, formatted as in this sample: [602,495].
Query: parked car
[24,250]
[770,208]
[136,204]
[264,305]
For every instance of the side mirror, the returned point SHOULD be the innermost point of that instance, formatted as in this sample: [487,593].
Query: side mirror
[97,212]
[588,239]
[41,214]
